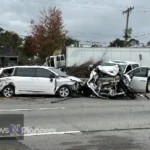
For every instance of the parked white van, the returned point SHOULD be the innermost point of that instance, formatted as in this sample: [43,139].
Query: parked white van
[36,80]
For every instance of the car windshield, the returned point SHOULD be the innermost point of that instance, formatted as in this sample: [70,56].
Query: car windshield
[59,72]
[122,67]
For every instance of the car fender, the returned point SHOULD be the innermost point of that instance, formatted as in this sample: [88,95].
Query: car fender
[6,82]
[9,84]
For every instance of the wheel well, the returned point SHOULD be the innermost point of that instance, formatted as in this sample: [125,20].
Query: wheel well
[10,84]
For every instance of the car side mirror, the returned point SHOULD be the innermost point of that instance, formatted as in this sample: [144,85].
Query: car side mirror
[51,79]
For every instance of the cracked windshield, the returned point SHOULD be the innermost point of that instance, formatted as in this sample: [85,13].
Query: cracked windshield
[74,75]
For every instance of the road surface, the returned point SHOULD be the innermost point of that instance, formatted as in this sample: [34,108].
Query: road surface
[80,123]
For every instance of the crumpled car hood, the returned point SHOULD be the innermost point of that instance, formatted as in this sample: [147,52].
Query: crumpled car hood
[6,79]
[74,78]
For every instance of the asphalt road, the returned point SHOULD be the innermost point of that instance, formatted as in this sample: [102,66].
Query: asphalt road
[80,123]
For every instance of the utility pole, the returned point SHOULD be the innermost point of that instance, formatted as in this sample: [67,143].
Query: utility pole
[127,12]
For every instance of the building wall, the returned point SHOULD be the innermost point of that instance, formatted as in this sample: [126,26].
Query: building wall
[81,55]
[8,61]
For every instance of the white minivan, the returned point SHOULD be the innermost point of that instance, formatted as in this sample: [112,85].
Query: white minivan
[36,80]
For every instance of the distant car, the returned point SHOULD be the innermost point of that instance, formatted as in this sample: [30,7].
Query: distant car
[126,66]
[36,80]
[140,79]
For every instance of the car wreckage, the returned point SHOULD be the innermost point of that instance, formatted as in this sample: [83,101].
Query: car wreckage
[109,82]
[104,82]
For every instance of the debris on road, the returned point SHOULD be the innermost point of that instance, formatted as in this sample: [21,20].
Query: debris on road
[61,100]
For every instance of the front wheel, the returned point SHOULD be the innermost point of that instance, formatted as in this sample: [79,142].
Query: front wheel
[64,91]
[8,91]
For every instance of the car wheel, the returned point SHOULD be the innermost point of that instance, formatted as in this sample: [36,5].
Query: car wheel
[148,86]
[8,91]
[64,91]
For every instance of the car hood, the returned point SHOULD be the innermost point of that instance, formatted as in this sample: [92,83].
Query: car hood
[74,78]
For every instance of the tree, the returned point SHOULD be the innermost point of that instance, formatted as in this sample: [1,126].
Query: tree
[69,41]
[121,43]
[133,42]
[130,42]
[117,43]
[28,48]
[49,33]
[10,40]
[127,33]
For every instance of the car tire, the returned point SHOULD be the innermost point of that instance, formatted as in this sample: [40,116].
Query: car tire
[148,85]
[129,91]
[64,91]
[8,91]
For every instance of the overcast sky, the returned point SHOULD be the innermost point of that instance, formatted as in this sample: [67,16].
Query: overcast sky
[87,20]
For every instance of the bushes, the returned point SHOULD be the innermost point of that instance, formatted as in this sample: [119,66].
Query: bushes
[82,71]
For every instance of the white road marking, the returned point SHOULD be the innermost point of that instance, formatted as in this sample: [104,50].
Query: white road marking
[52,133]
[52,108]
[42,134]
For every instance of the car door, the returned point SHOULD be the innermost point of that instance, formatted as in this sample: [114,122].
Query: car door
[139,79]
[46,81]
[25,80]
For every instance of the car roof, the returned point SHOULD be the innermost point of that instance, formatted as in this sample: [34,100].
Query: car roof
[35,66]
[143,67]
[138,67]
[122,62]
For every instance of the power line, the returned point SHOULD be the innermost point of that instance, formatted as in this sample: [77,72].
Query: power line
[145,34]
[97,4]
[76,32]
[141,11]
[121,6]
[87,33]
[68,5]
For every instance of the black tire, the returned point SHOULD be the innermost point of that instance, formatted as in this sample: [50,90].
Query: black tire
[8,91]
[148,85]
[85,90]
[64,91]
[129,92]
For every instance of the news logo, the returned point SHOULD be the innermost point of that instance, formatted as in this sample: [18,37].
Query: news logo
[11,127]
